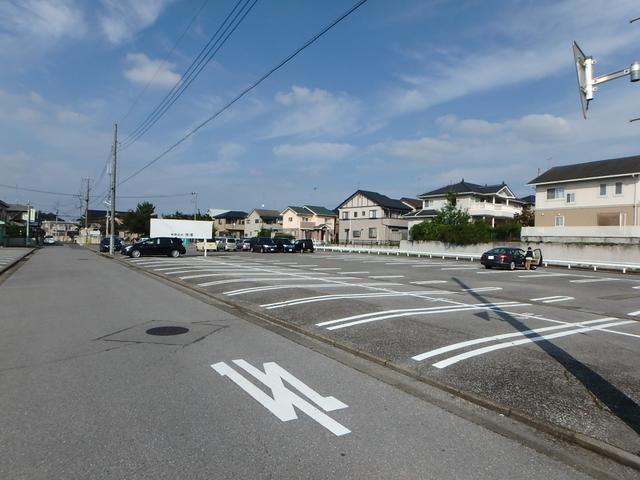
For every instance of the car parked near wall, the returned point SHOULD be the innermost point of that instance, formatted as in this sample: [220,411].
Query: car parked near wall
[172,247]
[245,245]
[284,245]
[264,245]
[104,244]
[227,244]
[509,257]
[212,245]
[304,245]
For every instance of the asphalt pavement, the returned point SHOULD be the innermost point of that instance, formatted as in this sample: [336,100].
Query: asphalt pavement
[106,372]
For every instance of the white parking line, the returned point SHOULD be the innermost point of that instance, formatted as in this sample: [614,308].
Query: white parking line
[345,296]
[311,285]
[325,268]
[231,274]
[468,343]
[265,279]
[481,289]
[386,276]
[415,311]
[634,314]
[427,282]
[353,273]
[553,299]
[515,343]
[460,268]
[543,275]
[593,280]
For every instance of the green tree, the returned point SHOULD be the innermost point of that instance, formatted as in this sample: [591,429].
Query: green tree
[45,215]
[138,220]
[526,218]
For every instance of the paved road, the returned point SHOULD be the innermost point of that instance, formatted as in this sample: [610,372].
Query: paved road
[558,345]
[86,392]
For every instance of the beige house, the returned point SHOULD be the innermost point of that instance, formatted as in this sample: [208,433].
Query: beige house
[60,230]
[230,223]
[371,218]
[588,202]
[491,203]
[260,218]
[308,221]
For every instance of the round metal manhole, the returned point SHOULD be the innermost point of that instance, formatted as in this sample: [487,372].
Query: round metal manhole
[167,331]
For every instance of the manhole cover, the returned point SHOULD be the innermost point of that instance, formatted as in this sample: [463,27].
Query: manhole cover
[167,331]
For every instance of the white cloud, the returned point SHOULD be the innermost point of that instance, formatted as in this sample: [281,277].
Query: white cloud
[313,112]
[156,73]
[42,18]
[315,150]
[122,19]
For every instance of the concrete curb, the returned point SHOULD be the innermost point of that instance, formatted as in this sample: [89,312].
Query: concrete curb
[593,444]
[4,268]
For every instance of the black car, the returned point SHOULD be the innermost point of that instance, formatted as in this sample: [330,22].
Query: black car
[263,245]
[172,247]
[284,245]
[509,257]
[303,245]
[104,244]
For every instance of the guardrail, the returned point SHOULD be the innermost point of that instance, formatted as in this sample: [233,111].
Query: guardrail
[623,267]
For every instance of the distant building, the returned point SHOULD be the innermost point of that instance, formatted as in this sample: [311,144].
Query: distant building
[213,212]
[372,218]
[230,223]
[588,202]
[260,218]
[308,221]
[60,230]
[3,221]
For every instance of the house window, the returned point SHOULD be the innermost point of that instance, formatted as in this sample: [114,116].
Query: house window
[571,198]
[355,214]
[345,215]
[618,188]
[603,189]
[257,220]
[364,214]
[356,234]
[373,233]
[559,221]
[372,214]
[291,219]
[555,193]
[428,203]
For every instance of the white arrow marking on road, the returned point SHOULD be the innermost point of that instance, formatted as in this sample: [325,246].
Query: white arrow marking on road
[284,400]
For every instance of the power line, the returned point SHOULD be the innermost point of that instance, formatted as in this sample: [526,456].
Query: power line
[287,59]
[16,187]
[193,71]
[175,45]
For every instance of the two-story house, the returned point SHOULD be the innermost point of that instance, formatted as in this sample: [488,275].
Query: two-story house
[372,218]
[260,218]
[490,203]
[588,201]
[230,224]
[60,230]
[309,221]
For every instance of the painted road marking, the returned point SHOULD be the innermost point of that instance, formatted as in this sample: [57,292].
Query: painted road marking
[353,273]
[634,314]
[481,289]
[471,267]
[316,285]
[515,343]
[468,343]
[427,282]
[266,279]
[592,280]
[386,276]
[543,275]
[232,274]
[325,268]
[553,299]
[347,296]
[284,400]
[384,315]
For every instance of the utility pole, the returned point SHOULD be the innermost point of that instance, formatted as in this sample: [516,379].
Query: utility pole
[26,241]
[86,212]
[195,210]
[113,189]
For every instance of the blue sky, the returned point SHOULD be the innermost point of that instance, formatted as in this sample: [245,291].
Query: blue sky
[402,97]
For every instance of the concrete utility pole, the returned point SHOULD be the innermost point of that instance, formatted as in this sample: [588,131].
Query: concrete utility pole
[113,190]
[195,210]
[86,212]
[26,241]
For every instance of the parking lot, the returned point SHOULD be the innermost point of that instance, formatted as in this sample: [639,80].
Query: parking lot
[558,345]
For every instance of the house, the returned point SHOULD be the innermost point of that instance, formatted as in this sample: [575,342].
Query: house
[230,223]
[18,214]
[260,218]
[3,221]
[309,221]
[584,202]
[372,218]
[491,203]
[60,230]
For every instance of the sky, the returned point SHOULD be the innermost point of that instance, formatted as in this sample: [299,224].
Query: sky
[401,97]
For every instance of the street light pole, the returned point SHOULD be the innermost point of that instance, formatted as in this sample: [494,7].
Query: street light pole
[113,190]
[195,210]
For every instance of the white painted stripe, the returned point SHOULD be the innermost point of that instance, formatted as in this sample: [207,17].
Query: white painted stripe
[343,296]
[593,280]
[283,287]
[230,274]
[386,276]
[353,273]
[427,282]
[543,275]
[448,310]
[325,268]
[515,343]
[636,287]
[481,289]
[553,299]
[402,310]
[468,343]
[265,279]
[426,265]
[460,268]
[633,314]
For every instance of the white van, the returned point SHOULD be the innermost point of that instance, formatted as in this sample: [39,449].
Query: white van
[227,244]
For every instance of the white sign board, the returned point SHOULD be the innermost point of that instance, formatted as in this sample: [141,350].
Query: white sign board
[196,229]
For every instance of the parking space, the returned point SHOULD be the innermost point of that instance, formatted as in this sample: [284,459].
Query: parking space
[558,345]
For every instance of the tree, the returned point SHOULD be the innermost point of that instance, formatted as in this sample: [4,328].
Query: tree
[138,221]
[526,218]
[46,215]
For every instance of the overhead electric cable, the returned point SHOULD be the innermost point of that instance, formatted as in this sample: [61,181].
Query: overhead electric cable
[16,187]
[248,89]
[169,53]
[193,71]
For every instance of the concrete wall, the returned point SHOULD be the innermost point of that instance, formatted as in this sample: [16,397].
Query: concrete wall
[556,251]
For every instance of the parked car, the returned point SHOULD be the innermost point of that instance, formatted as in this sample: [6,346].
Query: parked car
[127,248]
[264,245]
[104,244]
[227,244]
[509,257]
[49,240]
[303,245]
[246,245]
[284,245]
[172,247]
[212,245]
